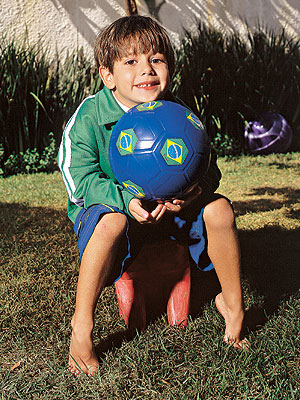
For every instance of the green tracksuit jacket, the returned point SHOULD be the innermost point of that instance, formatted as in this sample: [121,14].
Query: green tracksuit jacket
[83,156]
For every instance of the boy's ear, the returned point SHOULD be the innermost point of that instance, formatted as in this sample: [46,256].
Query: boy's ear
[107,77]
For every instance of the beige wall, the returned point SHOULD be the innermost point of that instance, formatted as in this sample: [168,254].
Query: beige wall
[67,24]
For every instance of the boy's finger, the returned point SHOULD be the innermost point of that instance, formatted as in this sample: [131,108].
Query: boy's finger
[161,213]
[139,213]
[175,206]
[157,212]
[142,217]
[177,202]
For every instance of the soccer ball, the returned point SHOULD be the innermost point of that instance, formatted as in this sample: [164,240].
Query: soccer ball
[158,149]
[270,133]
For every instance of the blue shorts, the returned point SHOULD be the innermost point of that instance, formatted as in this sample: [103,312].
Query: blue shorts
[186,227]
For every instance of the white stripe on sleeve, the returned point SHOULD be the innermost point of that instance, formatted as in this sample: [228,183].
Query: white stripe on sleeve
[64,159]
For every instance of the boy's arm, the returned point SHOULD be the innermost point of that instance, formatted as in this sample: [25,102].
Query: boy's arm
[79,159]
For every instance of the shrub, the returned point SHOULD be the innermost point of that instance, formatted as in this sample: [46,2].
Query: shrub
[31,161]
[37,96]
[228,81]
[24,91]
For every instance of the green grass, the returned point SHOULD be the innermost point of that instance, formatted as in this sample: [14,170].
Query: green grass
[38,275]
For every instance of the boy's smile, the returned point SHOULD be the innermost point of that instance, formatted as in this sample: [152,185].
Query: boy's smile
[138,78]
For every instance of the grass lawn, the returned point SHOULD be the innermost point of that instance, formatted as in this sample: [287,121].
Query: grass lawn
[38,275]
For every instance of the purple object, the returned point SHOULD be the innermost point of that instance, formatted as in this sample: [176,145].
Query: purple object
[270,133]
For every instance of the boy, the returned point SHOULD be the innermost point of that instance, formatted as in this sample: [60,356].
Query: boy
[135,61]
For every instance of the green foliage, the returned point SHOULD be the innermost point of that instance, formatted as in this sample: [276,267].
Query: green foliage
[31,161]
[230,80]
[24,79]
[224,145]
[37,96]
[226,80]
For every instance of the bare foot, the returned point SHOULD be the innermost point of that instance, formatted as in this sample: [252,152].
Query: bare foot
[234,324]
[82,357]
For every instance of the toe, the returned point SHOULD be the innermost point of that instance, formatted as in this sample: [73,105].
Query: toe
[243,344]
[78,367]
[74,366]
[92,370]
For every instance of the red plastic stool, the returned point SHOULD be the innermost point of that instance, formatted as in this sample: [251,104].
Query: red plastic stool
[160,274]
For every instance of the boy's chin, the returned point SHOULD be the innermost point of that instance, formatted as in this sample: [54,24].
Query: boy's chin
[147,99]
[156,95]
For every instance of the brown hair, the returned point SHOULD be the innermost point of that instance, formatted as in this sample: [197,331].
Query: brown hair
[138,34]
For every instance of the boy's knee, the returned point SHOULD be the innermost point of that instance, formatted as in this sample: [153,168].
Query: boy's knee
[219,214]
[111,226]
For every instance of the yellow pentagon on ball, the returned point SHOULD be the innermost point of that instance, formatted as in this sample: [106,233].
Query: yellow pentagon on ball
[134,189]
[151,105]
[171,144]
[194,120]
[126,142]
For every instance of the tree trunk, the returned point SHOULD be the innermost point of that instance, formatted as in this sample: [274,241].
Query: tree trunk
[130,7]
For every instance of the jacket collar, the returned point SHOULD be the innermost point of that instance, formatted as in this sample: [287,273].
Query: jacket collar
[108,110]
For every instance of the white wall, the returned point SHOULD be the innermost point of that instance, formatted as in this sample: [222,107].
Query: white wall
[67,24]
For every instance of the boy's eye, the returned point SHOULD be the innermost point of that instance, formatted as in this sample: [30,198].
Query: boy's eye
[130,62]
[156,60]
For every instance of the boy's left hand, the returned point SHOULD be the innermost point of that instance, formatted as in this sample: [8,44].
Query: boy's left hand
[142,215]
[176,205]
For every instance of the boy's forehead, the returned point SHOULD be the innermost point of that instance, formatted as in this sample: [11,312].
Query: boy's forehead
[136,52]
[135,46]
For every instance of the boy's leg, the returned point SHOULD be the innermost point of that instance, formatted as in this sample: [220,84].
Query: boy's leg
[96,264]
[223,250]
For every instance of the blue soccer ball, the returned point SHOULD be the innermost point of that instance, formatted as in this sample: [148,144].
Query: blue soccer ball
[159,149]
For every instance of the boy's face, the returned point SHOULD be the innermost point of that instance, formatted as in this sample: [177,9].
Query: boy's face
[138,78]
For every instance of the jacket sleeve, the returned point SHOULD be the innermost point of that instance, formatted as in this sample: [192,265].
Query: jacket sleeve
[79,161]
[211,181]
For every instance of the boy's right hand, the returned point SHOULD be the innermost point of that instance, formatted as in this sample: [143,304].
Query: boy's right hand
[143,216]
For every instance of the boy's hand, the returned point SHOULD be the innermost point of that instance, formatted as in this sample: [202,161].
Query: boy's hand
[143,216]
[176,205]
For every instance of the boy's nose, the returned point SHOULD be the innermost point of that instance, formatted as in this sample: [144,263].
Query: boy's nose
[146,68]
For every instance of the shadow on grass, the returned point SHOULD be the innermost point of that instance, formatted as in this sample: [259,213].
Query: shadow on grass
[34,229]
[270,255]
[281,165]
[290,195]
[270,265]
[114,340]
[270,258]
